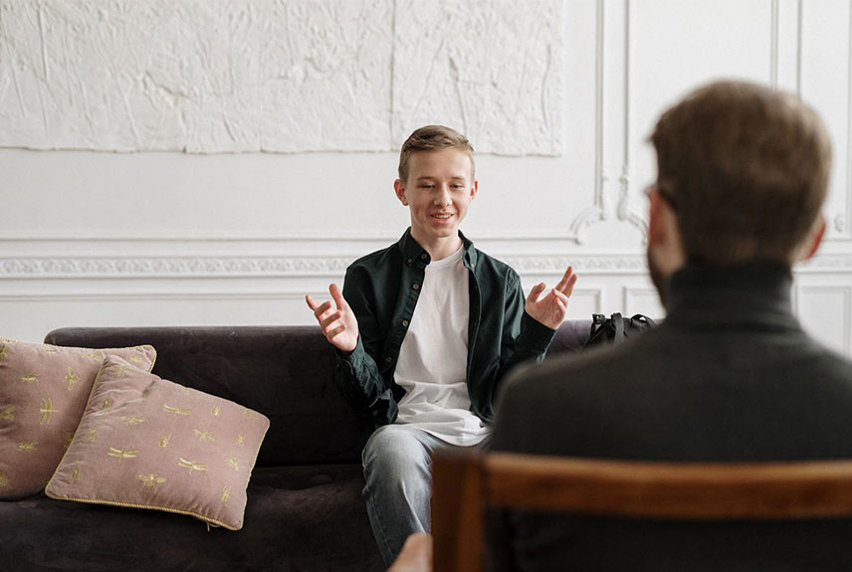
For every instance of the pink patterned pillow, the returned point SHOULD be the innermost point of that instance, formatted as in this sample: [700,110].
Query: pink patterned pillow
[146,442]
[43,391]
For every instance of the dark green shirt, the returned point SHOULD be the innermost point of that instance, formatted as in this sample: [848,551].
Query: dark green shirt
[382,288]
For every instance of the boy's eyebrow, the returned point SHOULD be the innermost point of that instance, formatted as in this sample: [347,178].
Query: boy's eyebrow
[430,177]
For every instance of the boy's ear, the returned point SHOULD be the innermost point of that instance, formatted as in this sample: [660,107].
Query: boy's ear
[474,189]
[399,190]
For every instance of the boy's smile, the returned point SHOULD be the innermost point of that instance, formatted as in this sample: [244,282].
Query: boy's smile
[438,192]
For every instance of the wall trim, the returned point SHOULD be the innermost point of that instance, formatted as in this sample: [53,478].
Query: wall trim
[596,212]
[133,297]
[826,263]
[62,267]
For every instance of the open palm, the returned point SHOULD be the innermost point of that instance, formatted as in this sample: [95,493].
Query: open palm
[338,322]
[550,309]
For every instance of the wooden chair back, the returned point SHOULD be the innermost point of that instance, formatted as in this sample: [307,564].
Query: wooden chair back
[466,483]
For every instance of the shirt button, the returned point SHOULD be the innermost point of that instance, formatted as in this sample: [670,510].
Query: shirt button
[416,286]
[423,256]
[388,359]
[405,323]
[409,261]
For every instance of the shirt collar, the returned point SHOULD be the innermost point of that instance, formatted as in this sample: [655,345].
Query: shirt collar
[413,253]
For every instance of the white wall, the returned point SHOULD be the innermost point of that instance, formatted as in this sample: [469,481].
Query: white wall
[291,140]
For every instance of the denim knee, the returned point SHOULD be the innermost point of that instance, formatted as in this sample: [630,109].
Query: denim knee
[395,450]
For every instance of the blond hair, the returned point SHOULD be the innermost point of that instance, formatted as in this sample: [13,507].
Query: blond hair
[431,138]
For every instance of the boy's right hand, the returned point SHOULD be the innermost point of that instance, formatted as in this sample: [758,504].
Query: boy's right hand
[339,325]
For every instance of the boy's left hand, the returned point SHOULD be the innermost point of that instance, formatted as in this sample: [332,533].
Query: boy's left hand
[550,310]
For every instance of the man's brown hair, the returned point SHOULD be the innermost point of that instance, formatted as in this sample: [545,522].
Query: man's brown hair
[746,168]
[431,138]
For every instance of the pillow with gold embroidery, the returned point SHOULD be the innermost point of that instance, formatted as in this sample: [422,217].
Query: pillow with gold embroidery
[147,442]
[43,391]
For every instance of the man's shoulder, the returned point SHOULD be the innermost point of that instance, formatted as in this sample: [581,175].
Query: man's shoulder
[824,361]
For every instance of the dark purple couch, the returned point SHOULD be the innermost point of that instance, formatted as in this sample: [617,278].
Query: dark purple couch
[304,510]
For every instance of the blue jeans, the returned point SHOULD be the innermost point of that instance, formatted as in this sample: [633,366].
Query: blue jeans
[397,468]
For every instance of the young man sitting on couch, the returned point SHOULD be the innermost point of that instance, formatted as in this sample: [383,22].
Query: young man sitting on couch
[425,330]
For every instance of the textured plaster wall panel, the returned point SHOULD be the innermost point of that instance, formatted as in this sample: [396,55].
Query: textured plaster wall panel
[283,76]
[325,74]
[490,68]
[195,75]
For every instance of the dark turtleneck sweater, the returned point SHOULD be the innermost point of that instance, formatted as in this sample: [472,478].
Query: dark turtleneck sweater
[728,376]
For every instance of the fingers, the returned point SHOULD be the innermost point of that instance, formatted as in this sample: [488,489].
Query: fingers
[331,324]
[536,292]
[569,288]
[337,320]
[337,296]
[331,333]
[566,284]
[322,309]
[328,320]
[561,300]
[322,313]
[561,296]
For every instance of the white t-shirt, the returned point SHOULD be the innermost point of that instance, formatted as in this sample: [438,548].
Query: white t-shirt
[432,364]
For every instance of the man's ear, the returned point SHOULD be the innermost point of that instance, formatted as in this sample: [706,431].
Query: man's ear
[399,190]
[656,225]
[474,189]
[815,238]
[664,235]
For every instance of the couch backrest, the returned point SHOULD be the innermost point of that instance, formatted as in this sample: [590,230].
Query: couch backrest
[285,372]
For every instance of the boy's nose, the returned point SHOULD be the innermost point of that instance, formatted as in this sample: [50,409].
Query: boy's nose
[443,197]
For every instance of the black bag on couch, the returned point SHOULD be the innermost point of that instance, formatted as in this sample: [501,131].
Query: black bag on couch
[617,328]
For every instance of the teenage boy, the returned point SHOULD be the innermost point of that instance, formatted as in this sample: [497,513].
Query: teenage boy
[425,330]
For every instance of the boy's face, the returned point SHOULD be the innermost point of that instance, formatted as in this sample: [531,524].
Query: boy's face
[438,190]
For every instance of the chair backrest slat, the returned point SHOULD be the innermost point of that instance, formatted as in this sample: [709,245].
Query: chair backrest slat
[670,490]
[466,483]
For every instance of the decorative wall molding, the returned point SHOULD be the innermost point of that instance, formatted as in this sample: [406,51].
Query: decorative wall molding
[597,211]
[136,297]
[827,263]
[582,263]
[626,211]
[612,198]
[274,266]
[166,266]
[321,265]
